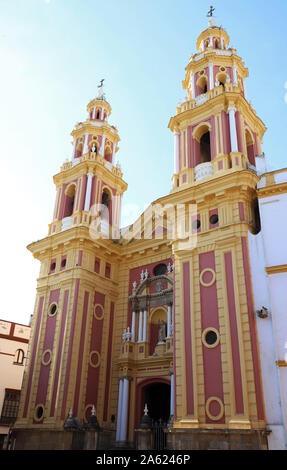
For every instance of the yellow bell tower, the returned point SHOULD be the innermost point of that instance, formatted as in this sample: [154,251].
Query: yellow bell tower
[217,142]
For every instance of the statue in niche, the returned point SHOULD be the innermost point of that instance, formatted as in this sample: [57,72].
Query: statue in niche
[161,332]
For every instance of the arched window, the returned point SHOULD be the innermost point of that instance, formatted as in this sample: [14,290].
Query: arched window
[108,152]
[69,200]
[106,211]
[221,79]
[205,153]
[217,44]
[19,357]
[202,83]
[250,147]
[79,150]
[98,114]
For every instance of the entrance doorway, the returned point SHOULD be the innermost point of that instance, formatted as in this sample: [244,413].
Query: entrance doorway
[157,398]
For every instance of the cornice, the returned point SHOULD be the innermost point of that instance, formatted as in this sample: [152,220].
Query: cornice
[272,190]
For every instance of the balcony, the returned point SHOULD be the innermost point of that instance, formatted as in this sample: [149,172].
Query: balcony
[92,156]
[203,170]
[204,97]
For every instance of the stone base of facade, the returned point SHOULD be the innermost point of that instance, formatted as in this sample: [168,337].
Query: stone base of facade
[216,439]
[37,439]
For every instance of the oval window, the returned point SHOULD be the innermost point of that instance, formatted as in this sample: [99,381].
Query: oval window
[160,269]
[213,219]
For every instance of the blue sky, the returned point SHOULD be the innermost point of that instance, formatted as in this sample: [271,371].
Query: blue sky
[53,55]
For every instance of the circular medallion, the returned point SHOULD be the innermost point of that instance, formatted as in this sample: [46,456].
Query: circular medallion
[95,359]
[207,277]
[98,311]
[46,357]
[214,408]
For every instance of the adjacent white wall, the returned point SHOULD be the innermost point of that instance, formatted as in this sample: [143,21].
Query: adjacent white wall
[267,345]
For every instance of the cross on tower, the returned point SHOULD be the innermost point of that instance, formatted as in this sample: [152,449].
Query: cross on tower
[210,13]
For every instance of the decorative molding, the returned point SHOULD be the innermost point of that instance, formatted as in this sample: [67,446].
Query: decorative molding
[276,269]
[210,283]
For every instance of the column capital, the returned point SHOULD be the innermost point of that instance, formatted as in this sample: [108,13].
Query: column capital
[231,109]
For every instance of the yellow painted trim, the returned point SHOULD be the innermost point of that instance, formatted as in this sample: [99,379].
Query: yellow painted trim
[276,269]
[281,363]
[273,190]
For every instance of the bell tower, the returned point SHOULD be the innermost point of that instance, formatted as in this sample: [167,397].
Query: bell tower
[70,350]
[217,148]
[90,186]
[216,130]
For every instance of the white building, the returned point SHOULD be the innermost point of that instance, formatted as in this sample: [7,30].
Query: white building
[268,260]
[14,339]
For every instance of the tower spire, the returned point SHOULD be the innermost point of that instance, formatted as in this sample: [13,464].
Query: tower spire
[211,21]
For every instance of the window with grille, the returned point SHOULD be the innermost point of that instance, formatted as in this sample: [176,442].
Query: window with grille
[10,406]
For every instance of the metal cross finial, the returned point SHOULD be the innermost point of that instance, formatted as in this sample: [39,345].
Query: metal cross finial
[101,83]
[210,13]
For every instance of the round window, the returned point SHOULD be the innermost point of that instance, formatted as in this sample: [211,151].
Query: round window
[53,309]
[196,224]
[39,412]
[210,337]
[213,219]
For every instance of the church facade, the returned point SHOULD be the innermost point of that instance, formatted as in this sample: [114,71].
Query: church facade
[157,323]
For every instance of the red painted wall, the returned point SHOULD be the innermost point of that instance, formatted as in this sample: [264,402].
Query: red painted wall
[59,354]
[109,361]
[48,344]
[33,355]
[187,339]
[213,382]
[237,377]
[95,345]
[70,348]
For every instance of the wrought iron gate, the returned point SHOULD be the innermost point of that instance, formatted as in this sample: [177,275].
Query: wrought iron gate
[158,434]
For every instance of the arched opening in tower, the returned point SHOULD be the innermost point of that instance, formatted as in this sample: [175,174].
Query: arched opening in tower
[106,211]
[205,153]
[250,147]
[69,200]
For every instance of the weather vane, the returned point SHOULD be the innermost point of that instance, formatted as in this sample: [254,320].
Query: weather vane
[101,83]
[210,13]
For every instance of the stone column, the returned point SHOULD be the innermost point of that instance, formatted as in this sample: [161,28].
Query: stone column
[168,320]
[88,191]
[211,80]
[234,70]
[144,325]
[119,414]
[85,146]
[140,334]
[133,326]
[102,150]
[124,410]
[176,152]
[171,395]
[233,132]
[192,85]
